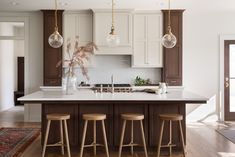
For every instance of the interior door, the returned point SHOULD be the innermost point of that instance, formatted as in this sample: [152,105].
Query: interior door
[229,80]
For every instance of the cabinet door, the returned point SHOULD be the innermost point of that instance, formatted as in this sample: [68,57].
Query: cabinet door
[139,57]
[131,107]
[155,124]
[147,46]
[77,24]
[123,27]
[154,47]
[172,71]
[54,135]
[52,74]
[96,107]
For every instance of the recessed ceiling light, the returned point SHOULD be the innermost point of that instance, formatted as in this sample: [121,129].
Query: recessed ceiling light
[14,3]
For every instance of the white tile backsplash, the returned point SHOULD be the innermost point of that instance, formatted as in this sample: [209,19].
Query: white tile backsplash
[102,67]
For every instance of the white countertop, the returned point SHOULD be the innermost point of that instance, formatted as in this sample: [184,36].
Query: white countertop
[89,95]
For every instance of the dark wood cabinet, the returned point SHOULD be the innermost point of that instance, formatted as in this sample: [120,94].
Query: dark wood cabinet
[96,107]
[52,74]
[113,123]
[155,123]
[65,108]
[172,58]
[130,107]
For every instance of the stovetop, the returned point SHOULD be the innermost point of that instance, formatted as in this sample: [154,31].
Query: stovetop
[115,85]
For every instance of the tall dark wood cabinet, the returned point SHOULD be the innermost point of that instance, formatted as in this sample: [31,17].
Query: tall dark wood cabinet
[52,75]
[172,58]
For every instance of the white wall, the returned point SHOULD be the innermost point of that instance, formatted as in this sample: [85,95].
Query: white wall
[201,57]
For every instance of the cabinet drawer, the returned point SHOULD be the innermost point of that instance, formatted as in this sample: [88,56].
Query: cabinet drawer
[174,82]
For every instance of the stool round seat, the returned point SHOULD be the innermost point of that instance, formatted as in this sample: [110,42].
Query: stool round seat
[173,117]
[58,116]
[132,116]
[94,116]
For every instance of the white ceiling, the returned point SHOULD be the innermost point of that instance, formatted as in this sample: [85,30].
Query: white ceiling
[32,5]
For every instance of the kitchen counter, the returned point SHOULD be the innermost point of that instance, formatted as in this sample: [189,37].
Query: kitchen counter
[113,105]
[89,95]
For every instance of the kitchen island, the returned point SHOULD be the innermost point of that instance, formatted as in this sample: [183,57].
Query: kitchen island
[113,104]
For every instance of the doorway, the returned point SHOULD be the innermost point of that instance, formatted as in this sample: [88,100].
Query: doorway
[12,47]
[229,80]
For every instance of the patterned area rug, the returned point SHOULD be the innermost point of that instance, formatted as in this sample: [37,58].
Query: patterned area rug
[13,141]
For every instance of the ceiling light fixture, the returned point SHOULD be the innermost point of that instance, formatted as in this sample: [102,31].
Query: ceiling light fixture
[55,40]
[14,3]
[113,39]
[169,40]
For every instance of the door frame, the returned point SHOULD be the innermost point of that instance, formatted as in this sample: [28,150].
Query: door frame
[223,38]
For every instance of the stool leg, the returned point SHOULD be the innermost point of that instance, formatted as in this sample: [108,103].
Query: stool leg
[105,139]
[94,137]
[46,138]
[143,138]
[83,137]
[182,138]
[160,139]
[122,137]
[170,141]
[132,137]
[61,137]
[67,138]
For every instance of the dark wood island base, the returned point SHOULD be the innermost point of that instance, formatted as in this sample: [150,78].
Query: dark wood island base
[113,123]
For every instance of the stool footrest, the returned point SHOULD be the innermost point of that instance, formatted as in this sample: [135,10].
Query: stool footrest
[131,144]
[169,145]
[55,144]
[93,144]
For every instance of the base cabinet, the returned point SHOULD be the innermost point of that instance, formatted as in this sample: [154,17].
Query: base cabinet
[102,108]
[66,108]
[155,123]
[113,123]
[121,108]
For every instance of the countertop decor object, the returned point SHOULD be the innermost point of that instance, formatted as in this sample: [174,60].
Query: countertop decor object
[113,39]
[141,82]
[169,39]
[76,57]
[55,40]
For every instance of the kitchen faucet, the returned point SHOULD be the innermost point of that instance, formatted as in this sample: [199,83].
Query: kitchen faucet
[112,86]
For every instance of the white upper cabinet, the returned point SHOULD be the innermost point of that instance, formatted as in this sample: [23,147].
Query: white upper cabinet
[123,27]
[80,24]
[147,33]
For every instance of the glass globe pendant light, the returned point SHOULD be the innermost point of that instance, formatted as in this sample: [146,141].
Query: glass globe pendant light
[169,40]
[113,39]
[55,40]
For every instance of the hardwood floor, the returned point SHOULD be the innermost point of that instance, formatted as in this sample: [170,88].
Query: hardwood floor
[202,139]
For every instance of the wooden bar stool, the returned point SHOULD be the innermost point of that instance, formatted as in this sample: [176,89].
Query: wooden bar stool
[63,119]
[94,118]
[170,118]
[132,117]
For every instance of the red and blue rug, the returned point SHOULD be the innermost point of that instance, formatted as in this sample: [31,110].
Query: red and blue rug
[13,141]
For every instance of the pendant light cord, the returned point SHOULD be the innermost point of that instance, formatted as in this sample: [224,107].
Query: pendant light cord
[56,26]
[112,14]
[169,15]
